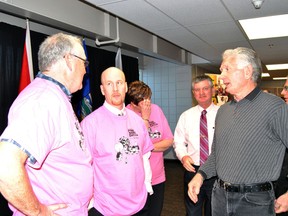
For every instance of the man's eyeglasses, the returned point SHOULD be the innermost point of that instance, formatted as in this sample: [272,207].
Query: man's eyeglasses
[285,88]
[86,63]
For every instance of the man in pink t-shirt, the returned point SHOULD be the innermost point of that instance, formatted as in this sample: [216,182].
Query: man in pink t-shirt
[139,95]
[120,147]
[45,168]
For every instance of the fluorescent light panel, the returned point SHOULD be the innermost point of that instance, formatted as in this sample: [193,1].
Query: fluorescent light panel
[277,66]
[266,27]
[279,78]
[265,75]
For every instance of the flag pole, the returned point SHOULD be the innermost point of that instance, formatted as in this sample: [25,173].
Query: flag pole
[29,50]
[27,74]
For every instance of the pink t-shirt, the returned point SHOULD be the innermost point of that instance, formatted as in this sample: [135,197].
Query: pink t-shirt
[118,144]
[159,130]
[42,121]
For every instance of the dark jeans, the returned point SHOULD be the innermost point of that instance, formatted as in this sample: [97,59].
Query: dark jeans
[157,199]
[204,197]
[242,204]
[143,212]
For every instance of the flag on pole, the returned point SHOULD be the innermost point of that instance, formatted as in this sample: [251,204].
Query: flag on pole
[26,75]
[86,102]
[118,59]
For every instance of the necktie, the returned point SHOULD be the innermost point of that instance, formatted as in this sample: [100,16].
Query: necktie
[204,146]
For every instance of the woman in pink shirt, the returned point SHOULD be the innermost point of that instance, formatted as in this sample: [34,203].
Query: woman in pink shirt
[139,96]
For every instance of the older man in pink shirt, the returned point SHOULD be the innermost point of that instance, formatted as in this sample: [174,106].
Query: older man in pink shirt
[45,168]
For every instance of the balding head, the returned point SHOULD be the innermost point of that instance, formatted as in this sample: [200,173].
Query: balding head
[110,72]
[114,86]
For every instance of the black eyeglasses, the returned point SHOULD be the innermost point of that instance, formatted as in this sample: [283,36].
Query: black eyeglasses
[86,63]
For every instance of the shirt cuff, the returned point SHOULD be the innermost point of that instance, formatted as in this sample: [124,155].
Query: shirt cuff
[204,176]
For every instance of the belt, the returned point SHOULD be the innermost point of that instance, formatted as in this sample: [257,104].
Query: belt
[245,188]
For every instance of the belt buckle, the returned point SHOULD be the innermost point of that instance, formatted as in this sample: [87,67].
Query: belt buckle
[226,185]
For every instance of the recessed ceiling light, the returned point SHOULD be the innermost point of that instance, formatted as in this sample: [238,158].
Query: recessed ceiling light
[265,27]
[265,75]
[277,66]
[279,78]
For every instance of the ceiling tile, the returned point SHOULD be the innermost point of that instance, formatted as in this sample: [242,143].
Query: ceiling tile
[203,27]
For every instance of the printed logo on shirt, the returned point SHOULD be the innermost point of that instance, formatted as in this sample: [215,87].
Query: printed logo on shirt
[124,148]
[153,134]
[153,124]
[132,133]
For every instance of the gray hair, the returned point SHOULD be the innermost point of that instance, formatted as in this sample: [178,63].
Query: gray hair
[54,48]
[247,56]
[202,78]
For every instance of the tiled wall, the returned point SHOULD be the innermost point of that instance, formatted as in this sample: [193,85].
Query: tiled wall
[171,89]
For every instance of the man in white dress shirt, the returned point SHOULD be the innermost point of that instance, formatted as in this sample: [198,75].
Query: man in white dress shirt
[187,142]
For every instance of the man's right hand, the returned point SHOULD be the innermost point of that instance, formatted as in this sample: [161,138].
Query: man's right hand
[188,164]
[49,210]
[194,187]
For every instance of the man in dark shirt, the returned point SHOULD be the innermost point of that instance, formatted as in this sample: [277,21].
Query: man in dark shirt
[249,142]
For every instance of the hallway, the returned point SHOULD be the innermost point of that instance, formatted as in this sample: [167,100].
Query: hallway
[174,195]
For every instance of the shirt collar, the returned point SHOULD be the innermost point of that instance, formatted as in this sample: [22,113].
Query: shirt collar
[114,109]
[251,95]
[212,105]
[62,87]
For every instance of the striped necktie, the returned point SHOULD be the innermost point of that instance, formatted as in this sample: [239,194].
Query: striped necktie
[204,146]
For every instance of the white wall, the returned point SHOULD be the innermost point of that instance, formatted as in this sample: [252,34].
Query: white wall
[171,89]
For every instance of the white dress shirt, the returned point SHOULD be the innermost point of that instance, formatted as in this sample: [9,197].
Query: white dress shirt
[187,132]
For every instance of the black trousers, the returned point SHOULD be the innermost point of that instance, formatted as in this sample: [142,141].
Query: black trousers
[157,199]
[4,208]
[204,197]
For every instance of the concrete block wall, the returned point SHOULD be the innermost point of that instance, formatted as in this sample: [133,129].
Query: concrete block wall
[171,89]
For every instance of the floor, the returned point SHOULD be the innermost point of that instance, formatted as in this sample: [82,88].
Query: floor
[174,195]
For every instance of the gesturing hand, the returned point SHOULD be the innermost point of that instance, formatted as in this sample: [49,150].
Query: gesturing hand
[194,187]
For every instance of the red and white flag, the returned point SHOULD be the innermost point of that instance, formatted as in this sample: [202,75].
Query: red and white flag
[27,65]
